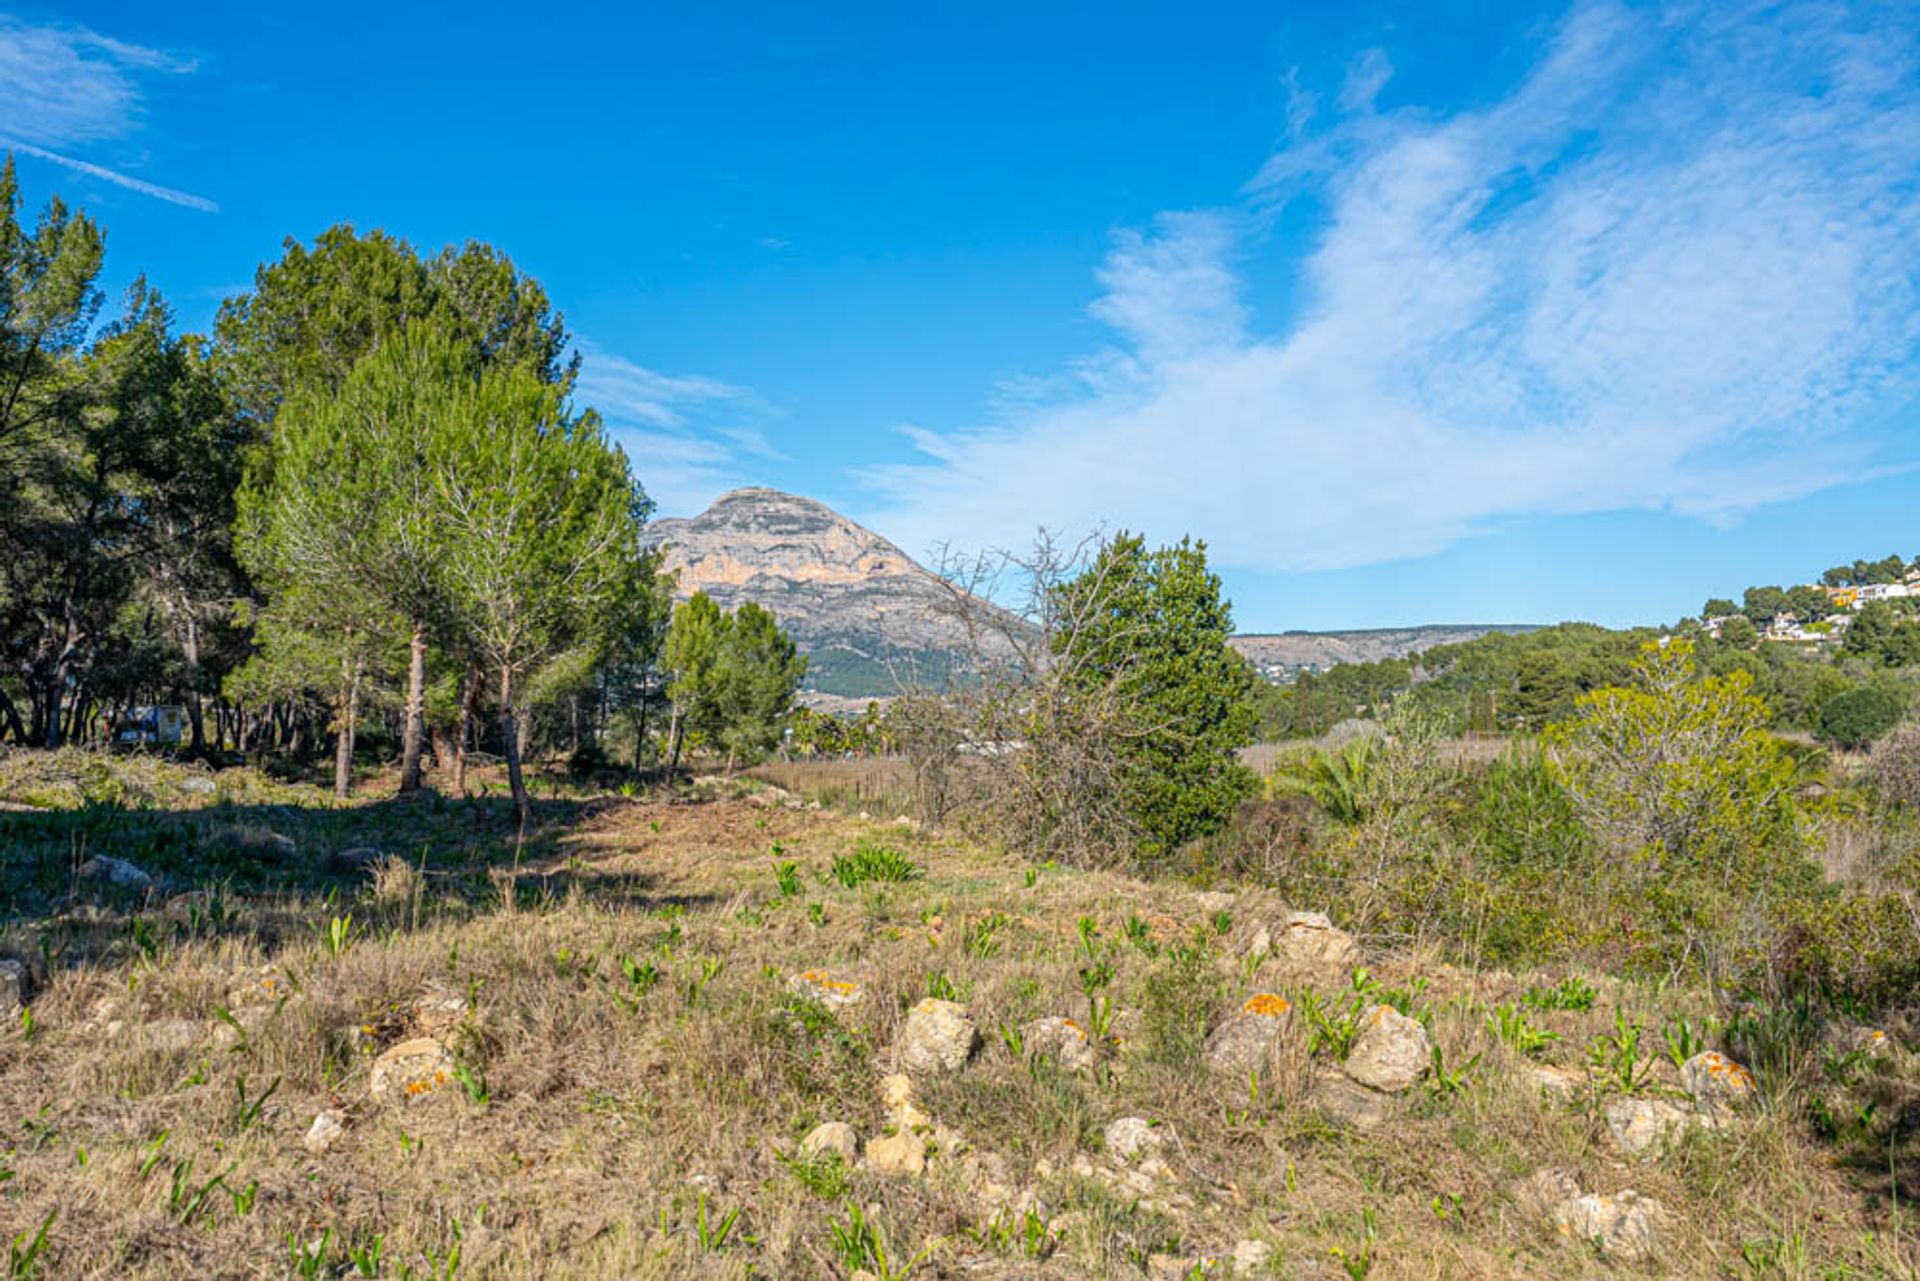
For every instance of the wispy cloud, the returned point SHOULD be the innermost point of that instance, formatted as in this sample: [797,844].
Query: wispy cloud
[63,88]
[688,436]
[1672,268]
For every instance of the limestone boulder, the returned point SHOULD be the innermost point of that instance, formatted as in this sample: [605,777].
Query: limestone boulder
[1248,1041]
[1309,939]
[936,1037]
[412,1070]
[1641,1127]
[824,988]
[835,1137]
[1624,1226]
[1716,1084]
[1060,1039]
[1391,1052]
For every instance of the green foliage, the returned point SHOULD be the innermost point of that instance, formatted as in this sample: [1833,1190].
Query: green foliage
[734,676]
[1148,637]
[873,862]
[1616,1057]
[822,1174]
[1570,993]
[1858,717]
[1335,779]
[1884,635]
[1510,1024]
[1174,997]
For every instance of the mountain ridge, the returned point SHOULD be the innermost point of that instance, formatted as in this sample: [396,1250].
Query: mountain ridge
[863,610]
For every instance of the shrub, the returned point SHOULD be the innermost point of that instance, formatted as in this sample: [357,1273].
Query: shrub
[1856,718]
[1895,767]
[873,862]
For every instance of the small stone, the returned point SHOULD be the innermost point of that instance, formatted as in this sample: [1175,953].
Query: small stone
[1350,1104]
[173,1034]
[818,985]
[1557,1083]
[1541,1194]
[832,1136]
[1642,1126]
[1392,1051]
[438,1009]
[1212,901]
[898,1102]
[1251,1256]
[902,1154]
[1132,1137]
[1060,1039]
[937,1037]
[1622,1226]
[1246,1041]
[327,1129]
[412,1070]
[357,859]
[117,872]
[16,985]
[195,785]
[1309,938]
[1716,1083]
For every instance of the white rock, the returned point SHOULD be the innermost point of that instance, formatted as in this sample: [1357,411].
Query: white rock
[1623,1226]
[1716,1083]
[936,1037]
[15,985]
[327,1129]
[116,871]
[1247,1041]
[414,1069]
[1309,938]
[1642,1126]
[1060,1039]
[901,1154]
[818,985]
[1251,1256]
[1132,1137]
[899,1104]
[832,1136]
[1392,1051]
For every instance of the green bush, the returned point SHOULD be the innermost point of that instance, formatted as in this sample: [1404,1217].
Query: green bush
[1856,718]
[873,862]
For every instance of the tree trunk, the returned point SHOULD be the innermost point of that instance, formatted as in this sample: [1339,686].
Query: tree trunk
[415,731]
[195,713]
[343,746]
[469,699]
[673,745]
[510,730]
[11,715]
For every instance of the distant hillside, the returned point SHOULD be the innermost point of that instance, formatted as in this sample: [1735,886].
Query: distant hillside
[1282,656]
[858,606]
[863,610]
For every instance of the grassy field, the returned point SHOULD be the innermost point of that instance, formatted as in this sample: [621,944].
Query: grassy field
[630,1068]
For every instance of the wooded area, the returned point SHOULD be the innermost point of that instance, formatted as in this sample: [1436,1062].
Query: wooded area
[365,511]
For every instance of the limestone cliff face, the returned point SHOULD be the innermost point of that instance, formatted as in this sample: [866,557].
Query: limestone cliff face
[856,604]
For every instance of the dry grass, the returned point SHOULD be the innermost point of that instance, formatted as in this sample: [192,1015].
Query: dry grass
[604,1113]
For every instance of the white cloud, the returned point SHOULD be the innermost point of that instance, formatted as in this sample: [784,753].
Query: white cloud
[685,434]
[1671,269]
[67,87]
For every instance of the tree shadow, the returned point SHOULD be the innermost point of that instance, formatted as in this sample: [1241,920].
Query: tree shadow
[110,879]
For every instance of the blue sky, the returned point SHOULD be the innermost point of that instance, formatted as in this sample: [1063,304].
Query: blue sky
[1415,312]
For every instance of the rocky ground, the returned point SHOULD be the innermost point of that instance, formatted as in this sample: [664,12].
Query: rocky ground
[730,1036]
